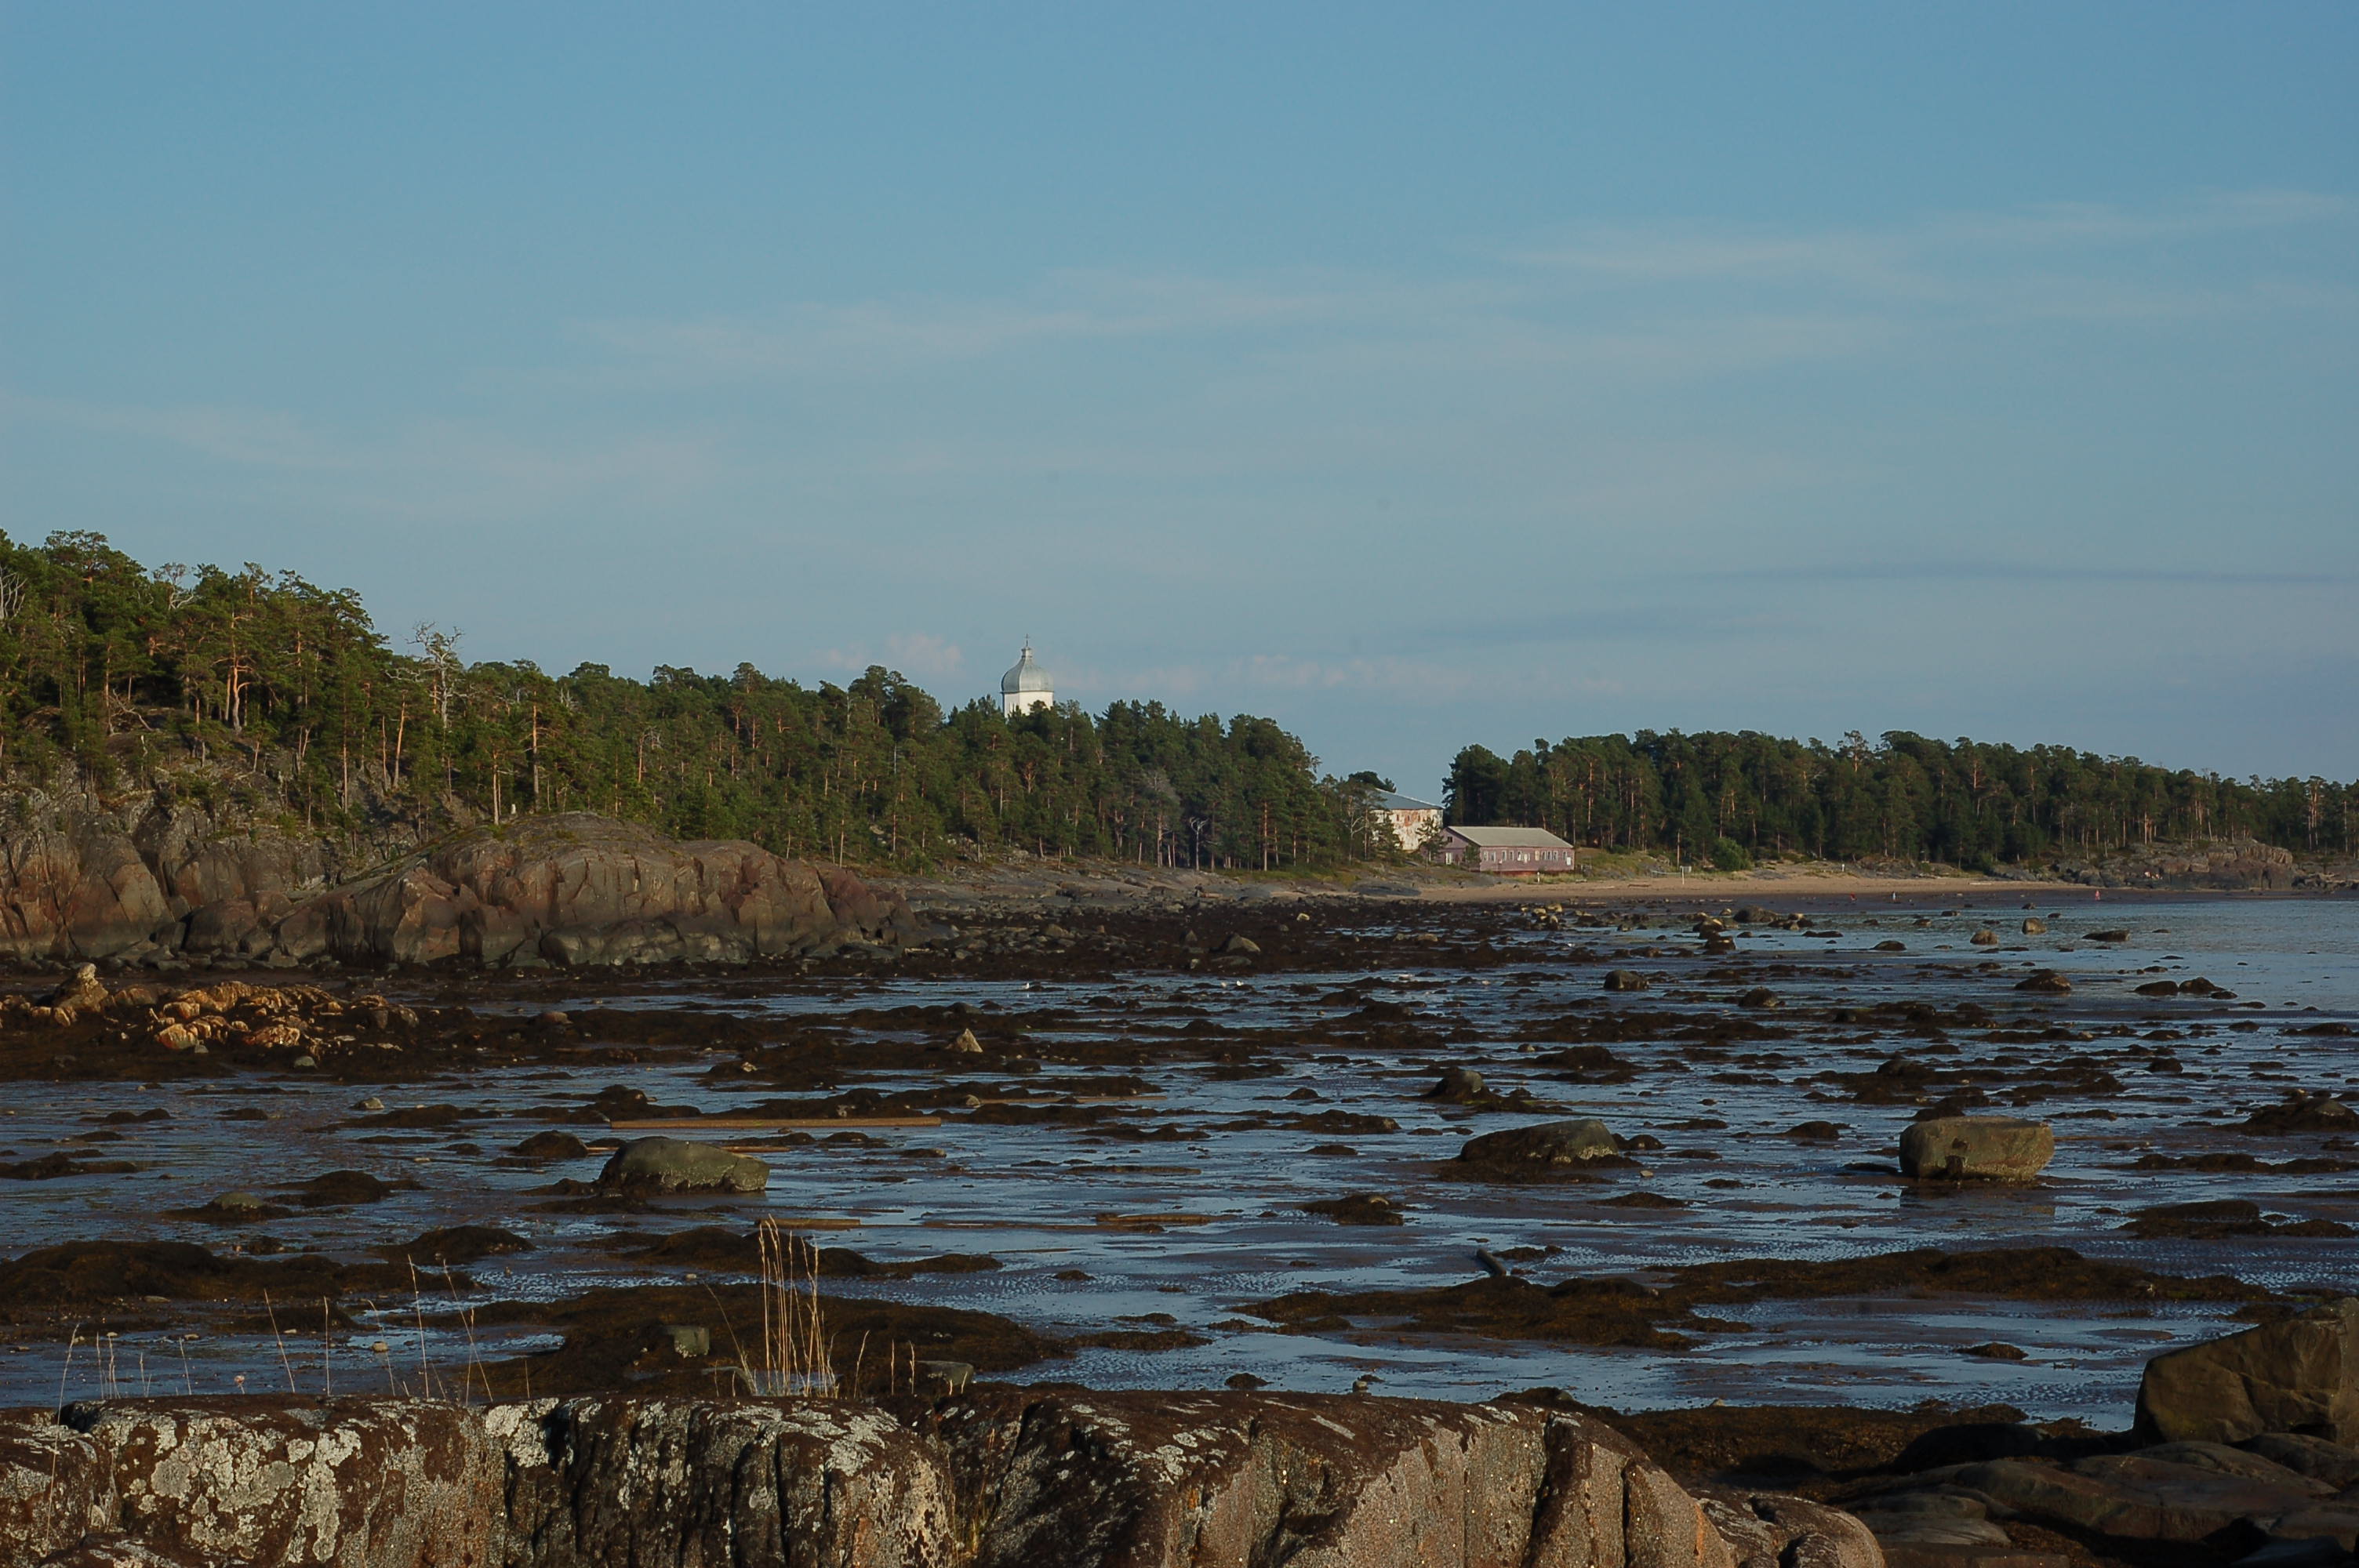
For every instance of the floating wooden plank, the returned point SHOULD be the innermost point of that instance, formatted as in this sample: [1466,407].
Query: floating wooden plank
[1143,1221]
[734,1123]
[1088,1099]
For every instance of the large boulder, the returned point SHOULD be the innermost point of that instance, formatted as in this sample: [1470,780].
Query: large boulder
[53,1488]
[1766,1528]
[2335,1463]
[83,991]
[2299,1376]
[678,1165]
[683,1482]
[406,1482]
[1976,1149]
[237,925]
[2134,1496]
[1208,1479]
[1542,1150]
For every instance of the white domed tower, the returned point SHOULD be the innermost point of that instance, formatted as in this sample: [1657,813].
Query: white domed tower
[1027,686]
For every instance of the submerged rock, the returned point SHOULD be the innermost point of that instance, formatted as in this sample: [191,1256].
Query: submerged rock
[2204,1219]
[2301,1112]
[1360,1208]
[457,1245]
[1457,1084]
[339,1187]
[1541,1149]
[2214,1219]
[677,1165]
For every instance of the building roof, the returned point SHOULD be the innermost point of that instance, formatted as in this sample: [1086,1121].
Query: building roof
[1026,677]
[1511,838]
[1393,800]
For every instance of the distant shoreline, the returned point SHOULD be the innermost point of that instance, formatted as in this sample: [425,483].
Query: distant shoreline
[1814,888]
[1101,883]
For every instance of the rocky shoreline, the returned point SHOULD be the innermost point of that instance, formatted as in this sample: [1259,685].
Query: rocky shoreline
[1322,1124]
[1016,1480]
[2245,1451]
[165,887]
[566,891]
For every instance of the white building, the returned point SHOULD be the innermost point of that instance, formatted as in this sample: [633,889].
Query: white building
[1413,821]
[1027,686]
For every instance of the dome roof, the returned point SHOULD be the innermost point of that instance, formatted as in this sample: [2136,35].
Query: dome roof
[1025,676]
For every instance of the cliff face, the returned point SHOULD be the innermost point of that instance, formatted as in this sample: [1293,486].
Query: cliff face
[997,1480]
[2231,865]
[567,890]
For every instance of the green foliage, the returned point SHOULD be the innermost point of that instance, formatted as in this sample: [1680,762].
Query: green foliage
[1728,855]
[1473,795]
[1905,798]
[110,672]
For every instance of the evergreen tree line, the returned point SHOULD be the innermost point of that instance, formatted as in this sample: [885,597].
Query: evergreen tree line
[1727,799]
[112,675]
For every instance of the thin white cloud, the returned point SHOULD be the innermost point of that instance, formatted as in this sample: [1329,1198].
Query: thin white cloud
[1426,682]
[2067,223]
[2059,261]
[1533,305]
[886,335]
[436,470]
[1508,383]
[1917,258]
[923,652]
[920,655]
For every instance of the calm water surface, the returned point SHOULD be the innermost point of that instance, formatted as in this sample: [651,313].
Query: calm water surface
[1032,1196]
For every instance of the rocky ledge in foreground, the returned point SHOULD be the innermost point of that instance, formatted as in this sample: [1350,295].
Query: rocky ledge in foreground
[993,1480]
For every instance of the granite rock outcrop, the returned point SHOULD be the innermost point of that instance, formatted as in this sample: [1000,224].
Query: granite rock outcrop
[562,890]
[993,1480]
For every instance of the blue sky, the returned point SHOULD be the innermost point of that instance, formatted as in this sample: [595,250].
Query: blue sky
[1417,375]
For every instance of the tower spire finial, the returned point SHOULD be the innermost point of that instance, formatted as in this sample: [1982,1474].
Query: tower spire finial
[1026,686]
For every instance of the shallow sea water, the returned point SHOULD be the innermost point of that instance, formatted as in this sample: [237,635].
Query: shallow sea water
[1031,1196]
